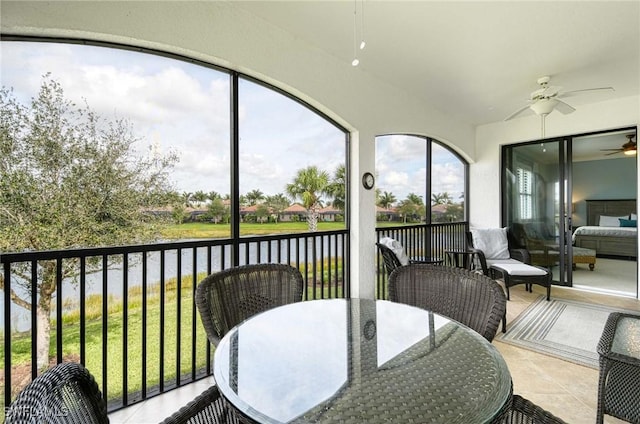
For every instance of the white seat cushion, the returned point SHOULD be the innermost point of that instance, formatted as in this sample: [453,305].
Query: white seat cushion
[397,248]
[519,269]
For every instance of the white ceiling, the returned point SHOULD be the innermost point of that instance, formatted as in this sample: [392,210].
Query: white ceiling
[477,61]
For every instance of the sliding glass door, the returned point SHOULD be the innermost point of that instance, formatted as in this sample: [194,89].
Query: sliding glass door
[557,194]
[536,189]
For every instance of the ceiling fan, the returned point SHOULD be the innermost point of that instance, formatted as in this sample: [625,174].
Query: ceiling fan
[628,148]
[547,98]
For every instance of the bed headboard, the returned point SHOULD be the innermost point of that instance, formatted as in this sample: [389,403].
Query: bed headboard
[616,207]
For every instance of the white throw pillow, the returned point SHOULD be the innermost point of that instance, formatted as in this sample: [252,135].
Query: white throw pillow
[492,241]
[633,217]
[610,221]
[397,249]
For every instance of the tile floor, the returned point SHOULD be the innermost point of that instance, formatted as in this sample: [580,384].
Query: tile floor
[565,389]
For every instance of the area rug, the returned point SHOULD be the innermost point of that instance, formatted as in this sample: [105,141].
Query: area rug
[566,329]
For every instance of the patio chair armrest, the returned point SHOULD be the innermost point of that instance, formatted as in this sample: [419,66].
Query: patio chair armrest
[521,255]
[482,258]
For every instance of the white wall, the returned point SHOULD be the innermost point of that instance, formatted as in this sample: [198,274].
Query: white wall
[219,33]
[485,173]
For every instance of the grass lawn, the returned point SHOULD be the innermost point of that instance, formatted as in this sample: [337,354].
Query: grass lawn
[21,342]
[192,230]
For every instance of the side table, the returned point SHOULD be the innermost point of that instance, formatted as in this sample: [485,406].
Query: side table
[462,258]
[619,381]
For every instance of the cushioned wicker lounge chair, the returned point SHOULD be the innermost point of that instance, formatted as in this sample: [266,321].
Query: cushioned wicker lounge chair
[228,297]
[66,393]
[466,296]
[208,408]
[523,411]
[497,257]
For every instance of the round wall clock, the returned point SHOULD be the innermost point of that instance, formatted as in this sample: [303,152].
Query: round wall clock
[368,180]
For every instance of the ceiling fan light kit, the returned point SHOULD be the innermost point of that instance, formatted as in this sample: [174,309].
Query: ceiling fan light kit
[544,106]
[547,98]
[628,149]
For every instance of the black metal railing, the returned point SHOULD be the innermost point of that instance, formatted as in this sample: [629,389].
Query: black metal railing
[421,240]
[128,313]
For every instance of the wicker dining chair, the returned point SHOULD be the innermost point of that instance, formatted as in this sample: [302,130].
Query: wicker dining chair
[470,298]
[207,408]
[66,393]
[523,411]
[226,298]
[390,259]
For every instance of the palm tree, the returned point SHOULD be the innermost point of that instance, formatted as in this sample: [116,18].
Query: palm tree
[309,185]
[440,198]
[199,197]
[338,187]
[415,199]
[254,197]
[186,198]
[386,199]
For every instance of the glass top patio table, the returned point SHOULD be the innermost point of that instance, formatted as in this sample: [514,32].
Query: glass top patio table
[360,361]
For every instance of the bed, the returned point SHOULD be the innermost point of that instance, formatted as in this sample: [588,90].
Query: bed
[608,241]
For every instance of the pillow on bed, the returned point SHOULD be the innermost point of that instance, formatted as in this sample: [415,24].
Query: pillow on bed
[634,216]
[628,222]
[611,221]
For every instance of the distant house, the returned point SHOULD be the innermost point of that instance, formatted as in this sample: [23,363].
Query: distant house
[437,211]
[295,212]
[383,214]
[329,213]
[253,211]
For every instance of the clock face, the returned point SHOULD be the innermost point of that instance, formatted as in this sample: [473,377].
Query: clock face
[368,181]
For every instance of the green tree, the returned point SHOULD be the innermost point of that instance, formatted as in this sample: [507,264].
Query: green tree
[386,200]
[309,185]
[199,197]
[441,198]
[187,198]
[217,210]
[408,210]
[69,179]
[338,187]
[277,203]
[254,197]
[262,213]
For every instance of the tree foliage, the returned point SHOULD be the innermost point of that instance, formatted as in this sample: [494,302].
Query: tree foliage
[309,185]
[70,179]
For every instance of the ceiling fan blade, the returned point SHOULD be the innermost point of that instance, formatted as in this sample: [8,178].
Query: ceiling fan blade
[517,112]
[578,92]
[564,107]
[613,153]
[611,150]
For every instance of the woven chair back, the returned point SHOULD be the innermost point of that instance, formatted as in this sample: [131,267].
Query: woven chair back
[523,411]
[66,393]
[228,297]
[390,259]
[465,296]
[207,408]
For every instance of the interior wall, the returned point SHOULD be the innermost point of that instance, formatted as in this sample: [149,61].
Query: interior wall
[485,172]
[602,179]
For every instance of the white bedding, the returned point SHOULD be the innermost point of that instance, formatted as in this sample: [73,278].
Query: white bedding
[605,231]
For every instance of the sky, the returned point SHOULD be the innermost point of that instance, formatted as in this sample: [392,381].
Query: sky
[182,107]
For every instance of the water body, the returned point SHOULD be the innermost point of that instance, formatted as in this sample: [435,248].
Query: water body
[297,251]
